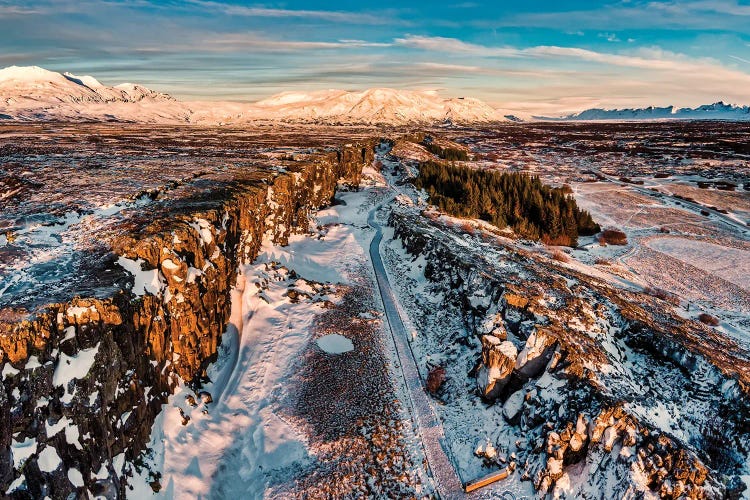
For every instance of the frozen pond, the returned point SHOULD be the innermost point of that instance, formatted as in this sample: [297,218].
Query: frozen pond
[335,344]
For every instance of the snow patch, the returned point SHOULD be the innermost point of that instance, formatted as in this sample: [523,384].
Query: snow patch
[75,478]
[22,451]
[74,367]
[150,281]
[48,460]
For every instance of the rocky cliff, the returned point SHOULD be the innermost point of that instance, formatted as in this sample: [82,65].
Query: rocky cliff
[84,379]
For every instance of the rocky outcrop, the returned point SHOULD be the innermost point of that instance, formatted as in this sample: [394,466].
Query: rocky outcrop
[587,401]
[536,354]
[82,381]
[498,361]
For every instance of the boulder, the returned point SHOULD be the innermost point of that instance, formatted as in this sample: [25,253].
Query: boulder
[498,360]
[513,407]
[536,354]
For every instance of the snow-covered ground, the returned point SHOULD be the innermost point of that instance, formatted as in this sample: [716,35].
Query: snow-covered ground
[441,336]
[701,259]
[249,438]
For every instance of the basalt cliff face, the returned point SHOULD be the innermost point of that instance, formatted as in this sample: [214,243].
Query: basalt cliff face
[83,379]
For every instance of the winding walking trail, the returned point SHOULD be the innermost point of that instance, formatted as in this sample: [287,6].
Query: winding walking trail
[428,426]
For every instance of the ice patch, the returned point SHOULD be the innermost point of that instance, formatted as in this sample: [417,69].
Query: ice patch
[168,264]
[70,332]
[55,428]
[75,478]
[77,311]
[192,274]
[335,344]
[202,226]
[9,371]
[32,363]
[15,485]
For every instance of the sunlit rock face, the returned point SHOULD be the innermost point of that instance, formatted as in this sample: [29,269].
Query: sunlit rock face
[498,361]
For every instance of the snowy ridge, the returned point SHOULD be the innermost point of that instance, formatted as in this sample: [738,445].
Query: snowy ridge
[33,94]
[716,111]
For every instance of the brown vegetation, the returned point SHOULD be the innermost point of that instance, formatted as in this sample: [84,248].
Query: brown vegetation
[707,319]
[467,227]
[560,256]
[435,379]
[663,295]
[613,237]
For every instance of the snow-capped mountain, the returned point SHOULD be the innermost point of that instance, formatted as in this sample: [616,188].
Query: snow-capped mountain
[33,82]
[716,111]
[33,93]
[373,106]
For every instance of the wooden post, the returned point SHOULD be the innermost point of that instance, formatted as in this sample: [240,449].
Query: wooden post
[486,480]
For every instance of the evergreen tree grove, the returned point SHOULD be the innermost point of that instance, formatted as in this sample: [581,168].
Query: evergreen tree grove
[532,209]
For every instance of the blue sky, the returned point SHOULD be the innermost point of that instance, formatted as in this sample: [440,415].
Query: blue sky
[530,55]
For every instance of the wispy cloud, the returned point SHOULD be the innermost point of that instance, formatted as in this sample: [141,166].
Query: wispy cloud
[16,10]
[731,7]
[676,14]
[455,46]
[321,15]
[234,42]
[610,37]
[449,67]
[643,58]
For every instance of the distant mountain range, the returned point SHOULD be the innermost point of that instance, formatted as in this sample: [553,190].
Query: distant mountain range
[716,111]
[34,94]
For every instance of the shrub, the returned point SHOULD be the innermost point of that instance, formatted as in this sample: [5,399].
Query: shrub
[663,295]
[467,227]
[613,237]
[707,319]
[435,379]
[602,262]
[560,256]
